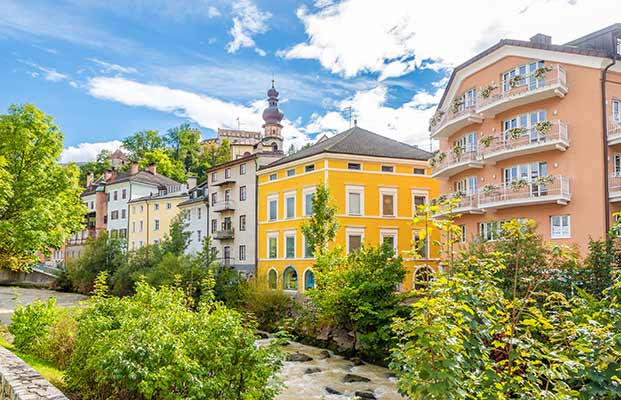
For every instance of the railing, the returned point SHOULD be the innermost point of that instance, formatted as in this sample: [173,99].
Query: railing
[614,128]
[466,202]
[225,233]
[530,137]
[47,269]
[556,187]
[449,116]
[452,159]
[508,88]
[223,205]
[225,261]
[614,185]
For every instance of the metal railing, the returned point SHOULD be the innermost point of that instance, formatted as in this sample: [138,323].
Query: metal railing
[614,128]
[530,137]
[557,186]
[449,116]
[452,159]
[614,184]
[225,233]
[223,205]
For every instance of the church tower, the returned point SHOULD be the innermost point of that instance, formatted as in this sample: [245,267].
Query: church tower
[272,137]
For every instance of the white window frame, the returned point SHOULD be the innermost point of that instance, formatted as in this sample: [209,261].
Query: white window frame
[289,234]
[417,232]
[227,173]
[271,235]
[156,224]
[304,248]
[387,172]
[353,232]
[242,169]
[616,164]
[270,198]
[390,232]
[245,252]
[395,203]
[418,193]
[360,191]
[423,168]
[616,110]
[290,172]
[308,168]
[289,195]
[273,177]
[306,191]
[352,163]
[565,230]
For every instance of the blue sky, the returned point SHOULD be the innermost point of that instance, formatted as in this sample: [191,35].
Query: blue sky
[106,69]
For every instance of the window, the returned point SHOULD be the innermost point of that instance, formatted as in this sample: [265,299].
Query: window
[389,237]
[242,193]
[199,211]
[619,46]
[133,245]
[156,206]
[422,276]
[470,98]
[355,199]
[227,173]
[156,225]
[272,207]
[133,226]
[291,172]
[272,246]
[467,143]
[242,169]
[227,195]
[272,279]
[141,209]
[560,227]
[290,205]
[123,213]
[214,225]
[139,243]
[467,185]
[92,205]
[168,206]
[616,168]
[354,166]
[242,222]
[616,111]
[198,235]
[418,171]
[388,200]
[114,215]
[308,249]
[124,194]
[526,72]
[214,198]
[309,168]
[354,239]
[420,247]
[123,233]
[214,177]
[309,194]
[242,252]
[290,244]
[141,226]
[290,279]
[388,168]
[418,199]
[273,177]
[462,237]
[490,231]
[309,279]
[116,195]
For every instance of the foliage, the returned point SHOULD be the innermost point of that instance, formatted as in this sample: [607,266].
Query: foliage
[458,151]
[543,127]
[486,91]
[518,184]
[515,133]
[438,218]
[515,81]
[152,346]
[185,144]
[231,287]
[177,239]
[487,140]
[97,167]
[489,189]
[30,325]
[143,142]
[270,308]
[540,73]
[320,229]
[293,149]
[166,165]
[357,293]
[39,199]
[436,118]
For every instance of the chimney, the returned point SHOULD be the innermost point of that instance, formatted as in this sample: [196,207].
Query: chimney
[133,170]
[540,38]
[153,168]
[108,175]
[89,179]
[191,182]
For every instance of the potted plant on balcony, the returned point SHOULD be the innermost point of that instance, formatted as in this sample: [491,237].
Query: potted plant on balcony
[544,180]
[460,194]
[436,118]
[515,133]
[489,189]
[540,73]
[486,91]
[516,81]
[543,128]
[518,184]
[438,200]
[487,140]
[458,151]
[458,102]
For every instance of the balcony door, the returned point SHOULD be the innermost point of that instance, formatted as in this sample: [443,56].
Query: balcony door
[467,142]
[467,185]
[534,83]
[227,195]
[539,169]
[227,255]
[616,111]
[226,225]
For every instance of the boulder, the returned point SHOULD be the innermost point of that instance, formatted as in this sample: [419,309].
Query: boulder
[323,354]
[262,335]
[332,391]
[312,370]
[349,378]
[343,339]
[356,361]
[298,357]
[365,395]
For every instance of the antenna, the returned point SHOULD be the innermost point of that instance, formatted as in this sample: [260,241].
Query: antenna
[238,124]
[349,116]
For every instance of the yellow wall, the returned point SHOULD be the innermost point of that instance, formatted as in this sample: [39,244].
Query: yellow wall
[333,170]
[144,210]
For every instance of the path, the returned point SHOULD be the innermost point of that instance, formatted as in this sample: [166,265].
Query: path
[11,296]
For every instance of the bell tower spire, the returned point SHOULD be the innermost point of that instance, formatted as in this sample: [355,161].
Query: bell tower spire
[272,117]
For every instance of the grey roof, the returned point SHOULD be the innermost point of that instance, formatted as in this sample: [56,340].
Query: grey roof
[143,176]
[358,141]
[157,196]
[201,199]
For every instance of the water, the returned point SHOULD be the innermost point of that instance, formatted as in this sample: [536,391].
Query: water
[300,385]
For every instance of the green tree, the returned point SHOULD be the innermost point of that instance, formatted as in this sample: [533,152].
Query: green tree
[320,228]
[39,199]
[143,142]
[185,144]
[177,239]
[97,167]
[165,165]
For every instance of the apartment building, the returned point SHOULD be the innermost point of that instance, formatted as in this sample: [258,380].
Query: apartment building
[527,129]
[376,183]
[196,216]
[233,191]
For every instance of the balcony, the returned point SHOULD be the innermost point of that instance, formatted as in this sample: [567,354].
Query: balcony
[527,90]
[451,122]
[531,141]
[614,131]
[614,188]
[226,181]
[225,261]
[226,233]
[221,206]
[451,163]
[555,190]
[467,204]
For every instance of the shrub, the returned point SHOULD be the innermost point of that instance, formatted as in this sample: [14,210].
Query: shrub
[61,340]
[30,326]
[270,308]
[152,346]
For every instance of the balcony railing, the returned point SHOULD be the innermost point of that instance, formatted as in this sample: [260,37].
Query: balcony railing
[226,261]
[453,163]
[555,190]
[224,233]
[227,205]
[516,92]
[226,181]
[450,122]
[614,130]
[531,141]
[468,203]
[614,188]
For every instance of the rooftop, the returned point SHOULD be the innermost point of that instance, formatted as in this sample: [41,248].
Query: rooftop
[143,176]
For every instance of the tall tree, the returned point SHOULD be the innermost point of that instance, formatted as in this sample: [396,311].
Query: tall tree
[39,199]
[185,145]
[320,229]
[143,142]
[165,165]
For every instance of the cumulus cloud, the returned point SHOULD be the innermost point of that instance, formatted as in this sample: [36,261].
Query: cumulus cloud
[85,152]
[392,39]
[107,67]
[248,21]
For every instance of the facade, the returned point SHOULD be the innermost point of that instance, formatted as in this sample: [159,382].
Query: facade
[376,183]
[522,135]
[196,213]
[150,217]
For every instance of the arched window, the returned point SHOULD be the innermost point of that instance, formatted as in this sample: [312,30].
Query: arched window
[272,279]
[274,147]
[290,279]
[422,276]
[309,279]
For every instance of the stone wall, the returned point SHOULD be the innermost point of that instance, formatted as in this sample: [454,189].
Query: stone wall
[20,382]
[19,278]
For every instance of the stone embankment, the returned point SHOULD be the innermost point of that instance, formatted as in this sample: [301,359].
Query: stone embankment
[18,381]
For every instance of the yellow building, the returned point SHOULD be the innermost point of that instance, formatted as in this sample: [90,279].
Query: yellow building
[150,218]
[376,183]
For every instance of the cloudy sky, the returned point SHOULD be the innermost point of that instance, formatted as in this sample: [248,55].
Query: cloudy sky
[108,68]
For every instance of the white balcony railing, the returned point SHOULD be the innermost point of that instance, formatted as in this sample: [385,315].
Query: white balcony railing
[223,206]
[468,203]
[555,190]
[451,121]
[515,92]
[227,232]
[614,188]
[614,130]
[453,163]
[531,141]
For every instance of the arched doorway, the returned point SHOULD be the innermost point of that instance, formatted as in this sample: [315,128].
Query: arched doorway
[422,276]
[290,279]
[309,279]
[272,279]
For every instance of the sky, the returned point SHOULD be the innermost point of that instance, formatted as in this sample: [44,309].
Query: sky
[107,69]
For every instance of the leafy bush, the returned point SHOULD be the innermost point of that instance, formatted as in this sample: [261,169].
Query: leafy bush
[61,340]
[152,346]
[270,308]
[31,325]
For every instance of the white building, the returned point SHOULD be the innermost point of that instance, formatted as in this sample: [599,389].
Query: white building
[196,209]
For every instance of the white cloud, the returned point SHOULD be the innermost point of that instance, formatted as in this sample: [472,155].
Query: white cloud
[87,151]
[392,38]
[109,67]
[248,22]
[48,73]
[213,12]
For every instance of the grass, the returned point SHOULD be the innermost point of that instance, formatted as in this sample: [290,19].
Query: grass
[45,368]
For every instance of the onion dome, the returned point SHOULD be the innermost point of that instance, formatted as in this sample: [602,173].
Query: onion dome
[272,115]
